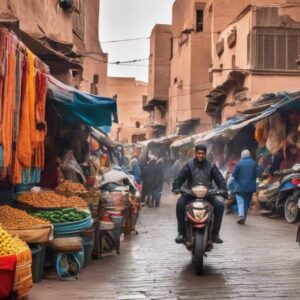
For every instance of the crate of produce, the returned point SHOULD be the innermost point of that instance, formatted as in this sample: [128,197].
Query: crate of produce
[28,228]
[49,200]
[67,220]
[69,188]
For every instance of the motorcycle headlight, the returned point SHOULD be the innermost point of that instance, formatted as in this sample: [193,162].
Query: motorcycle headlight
[200,191]
[199,214]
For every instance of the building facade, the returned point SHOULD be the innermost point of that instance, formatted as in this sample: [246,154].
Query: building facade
[158,80]
[64,35]
[132,118]
[189,82]
[256,53]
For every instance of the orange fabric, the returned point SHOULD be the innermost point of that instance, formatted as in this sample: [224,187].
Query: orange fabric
[8,110]
[24,143]
[40,109]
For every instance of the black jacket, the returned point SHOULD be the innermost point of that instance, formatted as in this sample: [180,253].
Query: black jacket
[199,173]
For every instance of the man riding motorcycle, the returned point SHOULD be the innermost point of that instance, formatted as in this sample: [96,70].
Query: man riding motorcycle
[195,171]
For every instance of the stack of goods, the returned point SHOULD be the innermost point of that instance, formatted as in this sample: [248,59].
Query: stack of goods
[66,220]
[28,228]
[23,86]
[91,197]
[49,199]
[9,244]
[69,188]
[15,259]
[62,215]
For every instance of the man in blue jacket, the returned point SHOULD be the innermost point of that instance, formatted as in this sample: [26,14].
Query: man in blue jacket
[244,175]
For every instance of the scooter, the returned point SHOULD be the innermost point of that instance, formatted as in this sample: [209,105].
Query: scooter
[289,194]
[298,232]
[199,217]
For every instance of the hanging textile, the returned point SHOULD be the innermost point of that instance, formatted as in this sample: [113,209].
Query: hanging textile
[23,90]
[277,134]
[9,102]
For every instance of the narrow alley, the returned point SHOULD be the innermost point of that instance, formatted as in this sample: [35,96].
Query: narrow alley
[258,260]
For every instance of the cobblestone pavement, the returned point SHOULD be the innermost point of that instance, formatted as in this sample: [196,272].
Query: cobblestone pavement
[258,260]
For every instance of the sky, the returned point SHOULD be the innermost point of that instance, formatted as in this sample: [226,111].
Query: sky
[126,19]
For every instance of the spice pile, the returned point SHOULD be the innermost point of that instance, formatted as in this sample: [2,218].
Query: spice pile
[50,200]
[62,215]
[15,219]
[70,187]
[9,244]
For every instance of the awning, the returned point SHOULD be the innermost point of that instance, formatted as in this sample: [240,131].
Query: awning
[74,105]
[165,140]
[264,109]
[103,139]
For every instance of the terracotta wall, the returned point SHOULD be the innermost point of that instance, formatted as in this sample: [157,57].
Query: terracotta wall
[159,63]
[94,59]
[38,17]
[256,83]
[189,81]
[129,99]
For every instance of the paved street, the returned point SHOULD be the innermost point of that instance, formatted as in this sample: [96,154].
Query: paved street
[259,260]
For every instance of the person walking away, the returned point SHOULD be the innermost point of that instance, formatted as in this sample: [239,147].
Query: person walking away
[147,189]
[134,167]
[244,176]
[158,176]
[199,170]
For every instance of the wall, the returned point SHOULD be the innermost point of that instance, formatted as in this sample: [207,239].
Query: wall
[94,60]
[189,67]
[257,82]
[38,17]
[159,64]
[129,99]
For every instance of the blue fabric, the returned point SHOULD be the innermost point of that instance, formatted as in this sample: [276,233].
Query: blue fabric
[74,106]
[245,175]
[243,202]
[136,172]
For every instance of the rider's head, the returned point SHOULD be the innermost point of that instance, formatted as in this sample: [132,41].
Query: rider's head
[200,152]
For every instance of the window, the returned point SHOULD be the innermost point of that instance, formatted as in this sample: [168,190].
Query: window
[199,20]
[275,49]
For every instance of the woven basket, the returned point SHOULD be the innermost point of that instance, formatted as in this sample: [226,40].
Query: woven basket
[23,276]
[23,287]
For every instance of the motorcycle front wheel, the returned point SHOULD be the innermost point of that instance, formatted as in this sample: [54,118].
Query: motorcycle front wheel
[291,211]
[199,253]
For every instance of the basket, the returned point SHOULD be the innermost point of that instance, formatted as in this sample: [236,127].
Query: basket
[23,275]
[23,287]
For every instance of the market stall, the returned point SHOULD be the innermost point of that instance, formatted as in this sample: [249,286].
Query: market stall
[44,140]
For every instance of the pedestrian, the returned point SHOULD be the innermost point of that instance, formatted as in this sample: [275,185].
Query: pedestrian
[158,177]
[148,176]
[134,166]
[244,176]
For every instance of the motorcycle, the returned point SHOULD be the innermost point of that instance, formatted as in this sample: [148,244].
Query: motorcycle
[199,216]
[289,194]
[298,232]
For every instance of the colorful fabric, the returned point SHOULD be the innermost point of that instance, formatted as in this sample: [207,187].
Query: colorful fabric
[7,272]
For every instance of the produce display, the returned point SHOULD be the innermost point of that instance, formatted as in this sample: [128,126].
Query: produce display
[9,244]
[71,187]
[64,215]
[14,219]
[49,199]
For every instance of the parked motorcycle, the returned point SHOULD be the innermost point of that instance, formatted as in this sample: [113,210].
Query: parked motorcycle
[199,223]
[298,232]
[289,194]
